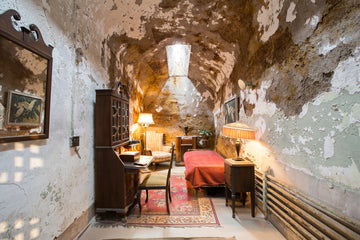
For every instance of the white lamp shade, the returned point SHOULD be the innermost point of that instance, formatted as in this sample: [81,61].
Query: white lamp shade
[145,119]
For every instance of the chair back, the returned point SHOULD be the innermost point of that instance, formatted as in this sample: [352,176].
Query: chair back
[171,162]
[154,141]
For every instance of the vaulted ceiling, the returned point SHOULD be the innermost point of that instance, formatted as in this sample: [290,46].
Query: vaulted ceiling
[230,40]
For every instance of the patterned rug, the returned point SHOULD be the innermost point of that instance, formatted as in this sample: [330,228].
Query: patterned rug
[185,209]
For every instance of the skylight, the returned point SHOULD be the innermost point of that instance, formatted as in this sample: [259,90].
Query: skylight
[178,57]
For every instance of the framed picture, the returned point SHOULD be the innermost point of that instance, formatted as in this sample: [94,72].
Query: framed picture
[232,110]
[23,109]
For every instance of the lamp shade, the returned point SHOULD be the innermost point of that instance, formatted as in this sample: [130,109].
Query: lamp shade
[145,119]
[238,130]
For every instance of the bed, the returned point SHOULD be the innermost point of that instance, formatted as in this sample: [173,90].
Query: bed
[204,168]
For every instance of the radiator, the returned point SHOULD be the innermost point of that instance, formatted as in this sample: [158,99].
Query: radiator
[296,217]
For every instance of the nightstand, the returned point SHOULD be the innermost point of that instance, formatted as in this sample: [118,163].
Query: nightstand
[239,178]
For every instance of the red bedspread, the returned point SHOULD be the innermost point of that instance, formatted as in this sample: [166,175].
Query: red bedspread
[204,168]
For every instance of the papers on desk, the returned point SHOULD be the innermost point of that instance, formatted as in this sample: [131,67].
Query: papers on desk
[143,161]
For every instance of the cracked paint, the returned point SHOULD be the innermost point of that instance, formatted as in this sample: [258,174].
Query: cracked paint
[268,18]
[328,147]
[349,70]
[349,175]
[291,12]
[313,21]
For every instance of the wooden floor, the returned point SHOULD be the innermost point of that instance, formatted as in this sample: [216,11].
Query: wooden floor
[243,226]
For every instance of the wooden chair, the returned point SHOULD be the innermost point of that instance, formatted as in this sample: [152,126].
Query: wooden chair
[156,181]
[155,146]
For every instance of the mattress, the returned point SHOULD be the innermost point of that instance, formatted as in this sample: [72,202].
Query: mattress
[204,168]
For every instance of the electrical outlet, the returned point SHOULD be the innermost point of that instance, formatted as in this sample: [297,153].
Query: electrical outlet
[74,141]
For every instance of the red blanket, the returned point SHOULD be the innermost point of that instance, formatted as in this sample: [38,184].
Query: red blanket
[204,168]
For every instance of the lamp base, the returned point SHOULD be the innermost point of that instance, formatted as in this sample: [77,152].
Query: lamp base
[238,159]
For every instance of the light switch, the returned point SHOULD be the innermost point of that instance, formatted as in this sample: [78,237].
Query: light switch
[74,141]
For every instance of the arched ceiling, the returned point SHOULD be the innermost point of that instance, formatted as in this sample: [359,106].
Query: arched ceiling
[219,33]
[230,40]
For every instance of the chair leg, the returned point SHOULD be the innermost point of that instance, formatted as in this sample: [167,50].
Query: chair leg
[167,193]
[147,196]
[139,201]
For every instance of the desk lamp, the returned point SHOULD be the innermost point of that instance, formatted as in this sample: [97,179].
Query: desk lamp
[145,119]
[239,131]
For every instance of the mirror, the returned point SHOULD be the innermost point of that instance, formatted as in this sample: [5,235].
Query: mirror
[25,81]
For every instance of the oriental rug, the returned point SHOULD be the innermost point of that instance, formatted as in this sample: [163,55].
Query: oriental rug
[185,208]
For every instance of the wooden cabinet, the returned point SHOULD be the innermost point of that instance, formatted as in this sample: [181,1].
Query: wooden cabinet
[183,144]
[115,184]
[239,178]
[111,118]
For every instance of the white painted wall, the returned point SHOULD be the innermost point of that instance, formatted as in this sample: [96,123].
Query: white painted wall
[44,184]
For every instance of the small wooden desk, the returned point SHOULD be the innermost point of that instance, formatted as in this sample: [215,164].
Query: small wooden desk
[183,144]
[239,178]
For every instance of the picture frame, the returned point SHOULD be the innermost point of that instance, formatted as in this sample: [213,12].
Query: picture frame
[24,110]
[25,76]
[231,108]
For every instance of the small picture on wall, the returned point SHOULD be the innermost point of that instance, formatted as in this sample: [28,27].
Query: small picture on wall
[23,109]
[232,110]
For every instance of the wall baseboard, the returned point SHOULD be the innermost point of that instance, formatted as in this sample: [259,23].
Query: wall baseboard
[78,225]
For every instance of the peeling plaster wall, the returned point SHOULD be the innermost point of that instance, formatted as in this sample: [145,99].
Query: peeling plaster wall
[44,184]
[306,106]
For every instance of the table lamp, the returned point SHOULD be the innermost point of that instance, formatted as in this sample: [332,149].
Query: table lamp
[239,131]
[145,119]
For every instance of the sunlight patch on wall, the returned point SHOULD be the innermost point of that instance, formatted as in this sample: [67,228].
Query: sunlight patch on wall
[18,146]
[36,163]
[3,227]
[34,149]
[18,176]
[19,223]
[3,177]
[34,233]
[19,236]
[18,161]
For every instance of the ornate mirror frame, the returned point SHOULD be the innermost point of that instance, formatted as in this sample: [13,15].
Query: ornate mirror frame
[25,81]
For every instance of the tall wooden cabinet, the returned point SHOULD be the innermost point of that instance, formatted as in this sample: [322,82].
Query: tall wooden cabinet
[115,185]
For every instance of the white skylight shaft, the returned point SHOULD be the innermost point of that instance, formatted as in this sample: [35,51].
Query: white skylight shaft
[178,57]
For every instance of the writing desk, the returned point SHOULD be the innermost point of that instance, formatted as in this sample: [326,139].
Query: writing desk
[116,181]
